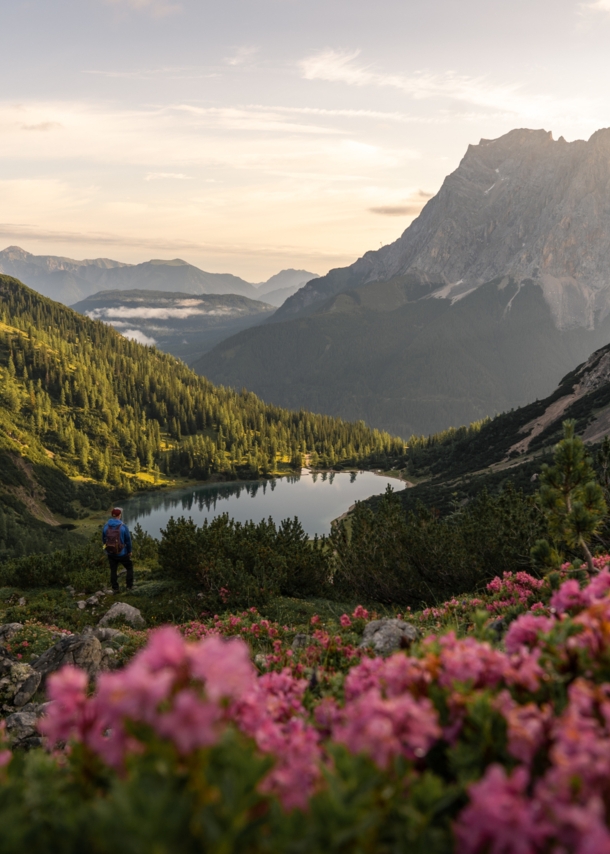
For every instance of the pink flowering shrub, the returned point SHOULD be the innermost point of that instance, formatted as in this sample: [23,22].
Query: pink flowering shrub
[465,744]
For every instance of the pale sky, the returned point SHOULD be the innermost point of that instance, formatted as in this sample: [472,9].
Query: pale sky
[249,135]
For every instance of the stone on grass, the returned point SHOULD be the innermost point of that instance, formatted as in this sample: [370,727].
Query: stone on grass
[17,681]
[386,636]
[81,604]
[8,630]
[300,640]
[126,613]
[27,689]
[84,651]
[21,727]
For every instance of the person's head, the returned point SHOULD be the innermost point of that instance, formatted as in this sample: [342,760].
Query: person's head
[117,512]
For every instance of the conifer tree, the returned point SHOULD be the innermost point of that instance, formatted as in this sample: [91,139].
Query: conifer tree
[572,499]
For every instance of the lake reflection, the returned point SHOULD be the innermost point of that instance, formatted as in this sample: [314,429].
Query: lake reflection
[316,499]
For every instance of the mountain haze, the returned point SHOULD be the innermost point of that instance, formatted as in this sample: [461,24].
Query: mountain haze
[497,289]
[69,281]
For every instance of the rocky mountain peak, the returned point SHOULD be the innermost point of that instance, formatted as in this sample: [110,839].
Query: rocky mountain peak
[523,205]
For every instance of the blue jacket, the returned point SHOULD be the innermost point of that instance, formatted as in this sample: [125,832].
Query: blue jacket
[125,535]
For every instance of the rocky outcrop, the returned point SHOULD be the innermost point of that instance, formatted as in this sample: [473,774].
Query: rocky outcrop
[124,612]
[387,636]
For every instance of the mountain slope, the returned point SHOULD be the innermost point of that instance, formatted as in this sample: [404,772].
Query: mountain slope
[84,411]
[457,464]
[410,366]
[182,324]
[284,284]
[500,287]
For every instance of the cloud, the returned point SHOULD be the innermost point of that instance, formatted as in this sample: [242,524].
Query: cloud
[396,210]
[409,207]
[139,336]
[178,176]
[142,313]
[42,126]
[340,66]
[242,55]
[158,8]
[178,72]
[598,6]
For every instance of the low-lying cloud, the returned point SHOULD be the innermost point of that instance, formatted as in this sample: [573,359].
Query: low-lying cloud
[170,313]
[411,207]
[139,336]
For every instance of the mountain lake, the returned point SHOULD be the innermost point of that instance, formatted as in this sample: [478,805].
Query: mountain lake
[315,498]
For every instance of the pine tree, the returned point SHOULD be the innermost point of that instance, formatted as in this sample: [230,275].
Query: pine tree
[572,499]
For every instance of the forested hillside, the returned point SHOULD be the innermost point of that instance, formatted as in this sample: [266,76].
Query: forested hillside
[80,401]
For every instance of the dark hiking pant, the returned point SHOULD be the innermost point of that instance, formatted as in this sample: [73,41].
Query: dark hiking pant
[124,560]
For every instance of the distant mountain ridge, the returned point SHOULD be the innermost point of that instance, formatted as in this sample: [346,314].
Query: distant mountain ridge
[499,288]
[182,324]
[69,281]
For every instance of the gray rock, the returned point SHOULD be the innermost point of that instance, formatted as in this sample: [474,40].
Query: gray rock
[81,604]
[92,600]
[125,612]
[27,690]
[8,630]
[21,726]
[386,636]
[84,651]
[107,634]
[21,601]
[300,640]
[16,675]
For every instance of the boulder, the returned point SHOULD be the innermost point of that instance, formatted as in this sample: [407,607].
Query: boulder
[386,636]
[84,651]
[21,728]
[27,689]
[18,682]
[300,640]
[107,634]
[8,630]
[125,612]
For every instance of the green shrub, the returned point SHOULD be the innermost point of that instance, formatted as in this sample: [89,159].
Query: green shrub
[85,568]
[386,556]
[242,564]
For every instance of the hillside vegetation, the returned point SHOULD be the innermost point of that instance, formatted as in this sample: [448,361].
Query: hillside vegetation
[85,411]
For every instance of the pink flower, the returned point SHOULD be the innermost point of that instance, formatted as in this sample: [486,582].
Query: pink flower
[314,620]
[191,722]
[67,714]
[527,726]
[345,621]
[360,613]
[225,667]
[470,661]
[5,758]
[524,631]
[500,819]
[569,596]
[387,728]
[297,770]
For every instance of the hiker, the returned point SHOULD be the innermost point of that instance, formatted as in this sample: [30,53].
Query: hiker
[117,543]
